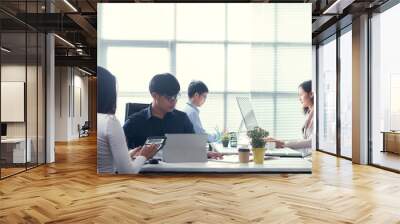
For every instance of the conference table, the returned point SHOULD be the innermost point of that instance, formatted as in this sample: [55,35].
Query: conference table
[282,152]
[275,161]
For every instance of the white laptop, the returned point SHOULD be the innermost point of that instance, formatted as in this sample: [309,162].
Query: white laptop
[185,148]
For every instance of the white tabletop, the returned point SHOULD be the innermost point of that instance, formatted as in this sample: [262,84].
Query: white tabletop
[283,152]
[13,140]
[271,165]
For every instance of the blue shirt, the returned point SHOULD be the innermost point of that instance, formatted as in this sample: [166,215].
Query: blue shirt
[143,124]
[194,115]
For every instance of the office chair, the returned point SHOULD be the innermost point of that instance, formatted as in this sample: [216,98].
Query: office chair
[84,130]
[132,108]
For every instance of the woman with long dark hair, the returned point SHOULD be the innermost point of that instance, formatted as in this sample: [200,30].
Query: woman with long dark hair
[306,97]
[113,155]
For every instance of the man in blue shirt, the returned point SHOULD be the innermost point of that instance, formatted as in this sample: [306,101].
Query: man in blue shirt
[160,117]
[197,93]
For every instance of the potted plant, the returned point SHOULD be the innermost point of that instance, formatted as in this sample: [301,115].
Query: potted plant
[257,140]
[225,139]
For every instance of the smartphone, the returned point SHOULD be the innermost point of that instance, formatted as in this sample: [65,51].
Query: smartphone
[156,140]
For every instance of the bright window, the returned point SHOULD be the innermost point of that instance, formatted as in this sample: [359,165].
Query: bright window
[254,50]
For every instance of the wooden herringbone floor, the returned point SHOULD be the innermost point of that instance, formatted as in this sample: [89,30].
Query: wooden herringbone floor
[70,191]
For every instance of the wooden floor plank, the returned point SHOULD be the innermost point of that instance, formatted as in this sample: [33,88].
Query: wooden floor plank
[70,191]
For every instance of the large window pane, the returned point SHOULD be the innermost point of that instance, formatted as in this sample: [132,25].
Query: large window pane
[289,117]
[234,49]
[253,22]
[13,83]
[293,67]
[263,23]
[263,105]
[394,102]
[200,61]
[263,72]
[239,67]
[142,66]
[327,97]
[292,21]
[135,21]
[200,23]
[385,85]
[22,87]
[239,21]
[346,94]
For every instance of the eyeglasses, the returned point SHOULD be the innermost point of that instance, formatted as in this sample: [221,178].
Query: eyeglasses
[172,98]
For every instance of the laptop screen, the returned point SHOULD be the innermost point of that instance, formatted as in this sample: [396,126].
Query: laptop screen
[247,112]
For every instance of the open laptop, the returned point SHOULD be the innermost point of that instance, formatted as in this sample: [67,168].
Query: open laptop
[185,148]
[248,115]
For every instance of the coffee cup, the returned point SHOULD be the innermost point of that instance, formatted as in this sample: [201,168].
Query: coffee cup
[244,155]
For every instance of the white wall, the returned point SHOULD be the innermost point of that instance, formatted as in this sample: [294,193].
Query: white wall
[33,126]
[14,73]
[61,103]
[70,84]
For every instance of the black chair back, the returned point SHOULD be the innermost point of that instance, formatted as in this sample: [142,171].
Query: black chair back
[86,125]
[132,108]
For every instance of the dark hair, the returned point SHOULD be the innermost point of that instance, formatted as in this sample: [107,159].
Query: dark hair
[307,87]
[164,84]
[106,92]
[197,87]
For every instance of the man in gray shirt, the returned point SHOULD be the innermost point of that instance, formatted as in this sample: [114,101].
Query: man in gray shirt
[197,93]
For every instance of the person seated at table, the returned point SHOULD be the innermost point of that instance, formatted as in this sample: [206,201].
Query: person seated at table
[306,97]
[197,93]
[160,117]
[112,150]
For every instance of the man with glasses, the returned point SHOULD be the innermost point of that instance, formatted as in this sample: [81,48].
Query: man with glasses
[197,93]
[160,117]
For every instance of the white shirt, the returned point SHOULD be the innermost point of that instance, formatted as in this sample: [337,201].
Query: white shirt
[112,150]
[194,116]
[308,130]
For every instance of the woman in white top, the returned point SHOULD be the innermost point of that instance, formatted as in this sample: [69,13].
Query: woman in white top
[307,100]
[113,155]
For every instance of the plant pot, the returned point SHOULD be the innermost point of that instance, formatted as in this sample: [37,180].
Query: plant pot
[225,143]
[258,155]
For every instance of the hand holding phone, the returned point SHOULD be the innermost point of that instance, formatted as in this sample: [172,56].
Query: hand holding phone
[159,141]
[134,152]
[148,151]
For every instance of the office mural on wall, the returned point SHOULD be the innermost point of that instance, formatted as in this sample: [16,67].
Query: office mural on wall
[171,140]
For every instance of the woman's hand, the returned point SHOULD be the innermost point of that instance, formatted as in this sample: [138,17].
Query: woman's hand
[269,139]
[134,152]
[148,151]
[278,143]
[215,155]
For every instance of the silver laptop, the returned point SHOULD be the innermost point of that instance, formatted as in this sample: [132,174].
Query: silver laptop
[185,148]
